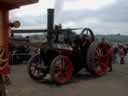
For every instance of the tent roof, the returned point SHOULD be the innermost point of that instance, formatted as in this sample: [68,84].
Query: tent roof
[10,4]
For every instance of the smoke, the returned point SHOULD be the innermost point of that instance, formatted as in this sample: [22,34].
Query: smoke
[58,10]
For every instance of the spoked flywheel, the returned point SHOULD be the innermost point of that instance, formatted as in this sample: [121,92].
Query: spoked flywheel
[61,69]
[36,68]
[98,58]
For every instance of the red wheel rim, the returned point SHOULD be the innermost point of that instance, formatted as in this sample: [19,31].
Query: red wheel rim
[63,70]
[101,60]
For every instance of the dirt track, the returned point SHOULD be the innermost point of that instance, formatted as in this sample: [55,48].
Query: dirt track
[112,84]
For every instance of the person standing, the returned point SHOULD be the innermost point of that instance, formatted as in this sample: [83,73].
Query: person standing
[122,54]
[111,52]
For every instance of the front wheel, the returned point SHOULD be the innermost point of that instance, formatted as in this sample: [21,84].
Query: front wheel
[61,69]
[36,68]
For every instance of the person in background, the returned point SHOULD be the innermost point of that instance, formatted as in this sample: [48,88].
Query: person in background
[115,57]
[111,52]
[125,51]
[122,54]
[115,52]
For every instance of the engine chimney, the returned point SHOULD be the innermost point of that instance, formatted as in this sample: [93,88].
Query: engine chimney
[50,24]
[50,19]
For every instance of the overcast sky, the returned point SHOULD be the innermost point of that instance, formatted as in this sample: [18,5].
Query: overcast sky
[103,16]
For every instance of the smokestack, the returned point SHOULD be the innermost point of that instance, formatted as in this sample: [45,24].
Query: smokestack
[50,19]
[50,25]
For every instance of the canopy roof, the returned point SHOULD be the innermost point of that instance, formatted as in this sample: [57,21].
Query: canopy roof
[10,4]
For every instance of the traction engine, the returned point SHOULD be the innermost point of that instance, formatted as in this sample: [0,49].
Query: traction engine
[66,53]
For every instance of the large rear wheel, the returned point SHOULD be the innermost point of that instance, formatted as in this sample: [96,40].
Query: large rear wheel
[61,69]
[98,58]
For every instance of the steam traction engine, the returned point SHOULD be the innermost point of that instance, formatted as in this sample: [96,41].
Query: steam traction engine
[66,53]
